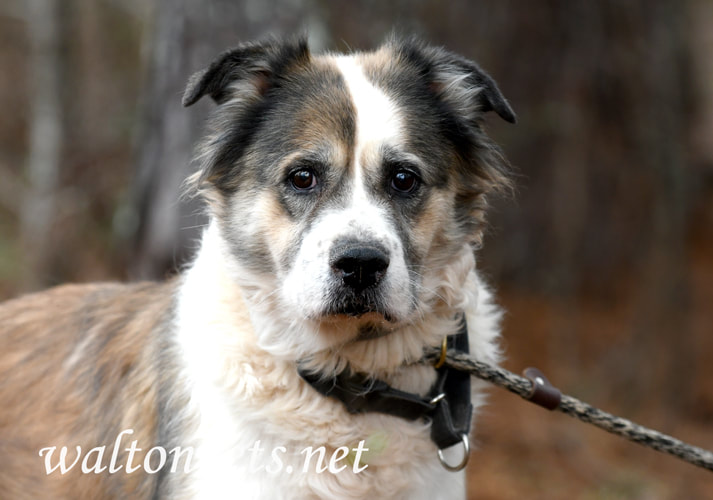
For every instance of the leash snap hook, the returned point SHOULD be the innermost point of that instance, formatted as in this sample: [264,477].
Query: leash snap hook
[464,460]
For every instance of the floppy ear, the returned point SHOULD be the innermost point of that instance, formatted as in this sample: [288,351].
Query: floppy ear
[489,97]
[248,69]
[461,83]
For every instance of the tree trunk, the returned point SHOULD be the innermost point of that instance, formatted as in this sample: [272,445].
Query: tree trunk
[44,19]
[185,36]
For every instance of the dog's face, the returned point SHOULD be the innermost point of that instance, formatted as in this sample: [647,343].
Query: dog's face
[345,185]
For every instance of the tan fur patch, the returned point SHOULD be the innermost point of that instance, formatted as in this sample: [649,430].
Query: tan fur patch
[77,359]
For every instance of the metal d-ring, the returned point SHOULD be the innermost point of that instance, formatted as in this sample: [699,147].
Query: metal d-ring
[437,398]
[463,462]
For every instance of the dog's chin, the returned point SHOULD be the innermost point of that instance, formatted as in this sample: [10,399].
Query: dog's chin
[353,318]
[360,324]
[358,314]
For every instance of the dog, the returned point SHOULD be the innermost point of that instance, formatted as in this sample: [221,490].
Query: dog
[347,197]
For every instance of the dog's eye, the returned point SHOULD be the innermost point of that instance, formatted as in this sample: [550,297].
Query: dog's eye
[404,182]
[303,179]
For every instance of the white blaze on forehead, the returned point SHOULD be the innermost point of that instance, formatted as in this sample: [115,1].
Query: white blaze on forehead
[310,284]
[377,124]
[377,118]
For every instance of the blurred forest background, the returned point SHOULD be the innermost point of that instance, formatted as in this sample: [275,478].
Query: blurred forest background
[603,259]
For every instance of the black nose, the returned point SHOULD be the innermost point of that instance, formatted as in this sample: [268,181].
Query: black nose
[360,267]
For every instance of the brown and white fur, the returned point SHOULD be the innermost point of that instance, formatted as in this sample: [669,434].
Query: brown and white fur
[314,164]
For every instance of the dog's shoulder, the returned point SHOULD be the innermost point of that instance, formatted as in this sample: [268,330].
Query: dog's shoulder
[60,322]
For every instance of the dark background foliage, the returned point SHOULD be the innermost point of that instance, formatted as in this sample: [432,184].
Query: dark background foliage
[603,258]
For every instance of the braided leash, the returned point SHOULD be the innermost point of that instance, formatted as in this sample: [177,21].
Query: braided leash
[537,389]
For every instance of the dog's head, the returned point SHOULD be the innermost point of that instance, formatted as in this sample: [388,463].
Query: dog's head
[346,186]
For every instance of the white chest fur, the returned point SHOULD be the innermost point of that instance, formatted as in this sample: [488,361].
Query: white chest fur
[258,428]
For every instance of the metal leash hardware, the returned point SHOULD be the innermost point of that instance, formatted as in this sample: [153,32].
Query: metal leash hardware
[537,389]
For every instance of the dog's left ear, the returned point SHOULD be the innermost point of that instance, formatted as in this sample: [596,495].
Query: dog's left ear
[489,96]
[461,83]
[247,71]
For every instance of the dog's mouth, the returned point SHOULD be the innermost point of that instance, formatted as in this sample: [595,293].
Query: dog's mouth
[363,316]
[357,316]
[358,306]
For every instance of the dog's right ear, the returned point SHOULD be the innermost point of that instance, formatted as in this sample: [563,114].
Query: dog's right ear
[248,70]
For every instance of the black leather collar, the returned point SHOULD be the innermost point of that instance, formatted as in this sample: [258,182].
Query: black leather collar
[448,404]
